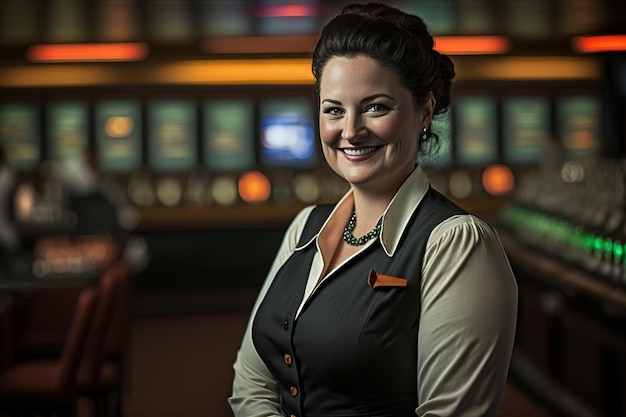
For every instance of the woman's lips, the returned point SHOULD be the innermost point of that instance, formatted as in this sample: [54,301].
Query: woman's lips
[359,154]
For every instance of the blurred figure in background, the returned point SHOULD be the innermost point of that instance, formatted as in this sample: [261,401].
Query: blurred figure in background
[99,205]
[9,236]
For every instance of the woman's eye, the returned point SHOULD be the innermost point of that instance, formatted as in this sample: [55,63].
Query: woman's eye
[376,108]
[333,111]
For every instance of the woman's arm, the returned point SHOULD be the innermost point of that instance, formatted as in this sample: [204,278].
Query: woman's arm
[255,392]
[467,324]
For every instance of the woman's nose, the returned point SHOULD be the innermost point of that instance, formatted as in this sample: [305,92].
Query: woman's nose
[353,128]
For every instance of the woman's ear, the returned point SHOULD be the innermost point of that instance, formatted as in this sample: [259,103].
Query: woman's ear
[429,108]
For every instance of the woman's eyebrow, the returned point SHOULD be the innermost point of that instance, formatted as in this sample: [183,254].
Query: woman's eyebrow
[364,100]
[376,96]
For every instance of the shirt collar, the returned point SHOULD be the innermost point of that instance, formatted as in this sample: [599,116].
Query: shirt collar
[396,215]
[401,209]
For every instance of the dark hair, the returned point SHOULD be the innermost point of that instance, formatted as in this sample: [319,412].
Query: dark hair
[397,40]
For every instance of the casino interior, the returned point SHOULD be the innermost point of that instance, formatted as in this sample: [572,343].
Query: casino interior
[174,140]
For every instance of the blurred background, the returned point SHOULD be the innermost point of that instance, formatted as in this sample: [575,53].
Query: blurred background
[186,131]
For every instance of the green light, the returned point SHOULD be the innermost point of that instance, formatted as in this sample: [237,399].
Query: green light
[598,243]
[618,250]
[608,245]
[578,237]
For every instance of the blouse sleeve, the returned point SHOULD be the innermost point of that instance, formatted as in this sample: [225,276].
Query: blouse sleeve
[467,323]
[255,392]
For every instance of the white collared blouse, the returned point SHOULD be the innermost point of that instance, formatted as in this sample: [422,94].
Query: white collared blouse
[468,293]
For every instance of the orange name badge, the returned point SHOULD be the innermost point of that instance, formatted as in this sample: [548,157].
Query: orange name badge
[375,280]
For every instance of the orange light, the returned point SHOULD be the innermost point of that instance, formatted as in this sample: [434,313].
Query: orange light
[88,52]
[605,43]
[254,187]
[498,179]
[472,45]
[239,71]
[283,71]
[452,45]
[288,10]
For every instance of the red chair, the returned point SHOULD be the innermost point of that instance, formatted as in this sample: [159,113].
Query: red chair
[44,330]
[118,339]
[49,386]
[102,369]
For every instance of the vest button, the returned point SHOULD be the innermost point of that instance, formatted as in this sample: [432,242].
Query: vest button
[287,359]
[293,391]
[286,324]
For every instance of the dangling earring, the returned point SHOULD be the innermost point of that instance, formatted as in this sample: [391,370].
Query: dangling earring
[424,134]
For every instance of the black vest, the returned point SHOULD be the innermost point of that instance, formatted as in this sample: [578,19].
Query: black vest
[353,349]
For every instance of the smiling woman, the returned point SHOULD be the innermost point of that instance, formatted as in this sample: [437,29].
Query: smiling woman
[369,125]
[394,301]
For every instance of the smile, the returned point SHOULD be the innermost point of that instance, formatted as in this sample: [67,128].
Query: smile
[360,151]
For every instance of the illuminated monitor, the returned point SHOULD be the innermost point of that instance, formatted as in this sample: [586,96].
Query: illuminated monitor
[614,107]
[476,135]
[224,19]
[229,135]
[118,135]
[438,153]
[169,21]
[287,133]
[283,18]
[439,15]
[68,127]
[579,124]
[19,135]
[172,143]
[526,128]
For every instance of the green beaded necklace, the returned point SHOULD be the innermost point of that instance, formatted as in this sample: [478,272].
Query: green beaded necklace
[349,238]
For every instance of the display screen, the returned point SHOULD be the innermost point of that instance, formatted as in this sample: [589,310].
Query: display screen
[229,135]
[68,126]
[118,135]
[437,153]
[20,22]
[223,19]
[169,21]
[614,119]
[283,18]
[287,133]
[172,135]
[439,15]
[19,135]
[578,122]
[526,128]
[476,123]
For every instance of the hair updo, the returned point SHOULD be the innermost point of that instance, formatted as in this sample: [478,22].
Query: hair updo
[397,40]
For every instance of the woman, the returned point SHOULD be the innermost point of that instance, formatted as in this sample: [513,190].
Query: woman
[394,301]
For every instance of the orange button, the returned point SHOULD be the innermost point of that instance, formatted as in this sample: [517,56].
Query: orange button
[293,415]
[293,391]
[287,359]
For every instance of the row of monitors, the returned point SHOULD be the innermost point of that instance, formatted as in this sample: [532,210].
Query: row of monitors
[234,135]
[185,20]
[170,129]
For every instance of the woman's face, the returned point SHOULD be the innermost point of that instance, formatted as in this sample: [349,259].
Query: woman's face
[369,126]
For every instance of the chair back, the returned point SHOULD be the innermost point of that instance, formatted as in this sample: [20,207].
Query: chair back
[119,329]
[76,339]
[93,355]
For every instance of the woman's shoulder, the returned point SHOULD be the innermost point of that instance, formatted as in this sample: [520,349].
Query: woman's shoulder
[297,226]
[463,226]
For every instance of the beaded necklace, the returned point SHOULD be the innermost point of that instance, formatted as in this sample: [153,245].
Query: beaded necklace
[349,238]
